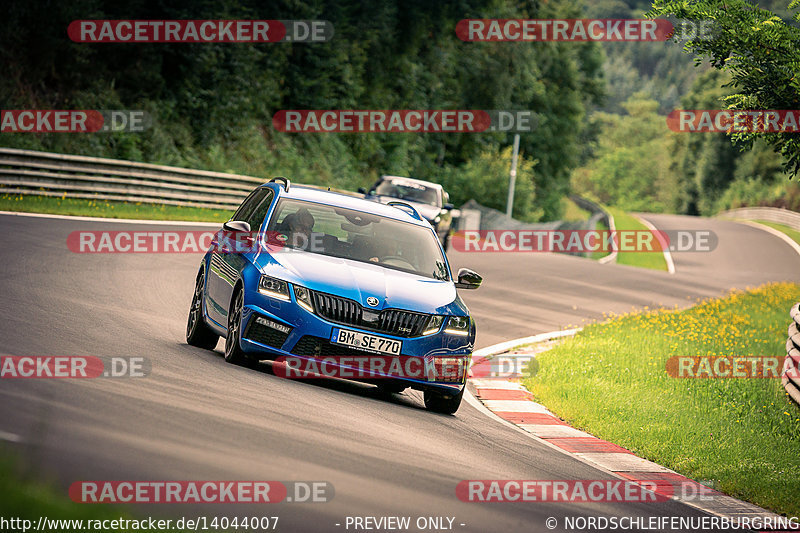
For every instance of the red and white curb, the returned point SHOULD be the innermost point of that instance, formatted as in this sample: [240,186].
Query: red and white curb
[507,401]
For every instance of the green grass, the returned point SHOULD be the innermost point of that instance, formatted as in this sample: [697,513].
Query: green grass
[742,434]
[25,498]
[792,233]
[571,212]
[652,260]
[108,209]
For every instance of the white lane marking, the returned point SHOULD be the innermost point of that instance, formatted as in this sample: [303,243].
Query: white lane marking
[553,431]
[778,233]
[117,220]
[665,251]
[10,437]
[505,346]
[516,406]
[624,462]
[491,383]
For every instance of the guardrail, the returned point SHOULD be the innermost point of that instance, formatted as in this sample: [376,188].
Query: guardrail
[791,365]
[768,214]
[598,215]
[73,176]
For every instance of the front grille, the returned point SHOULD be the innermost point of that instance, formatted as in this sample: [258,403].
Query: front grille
[337,309]
[311,346]
[265,334]
[348,312]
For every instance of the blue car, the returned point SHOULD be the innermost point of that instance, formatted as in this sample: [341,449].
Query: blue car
[304,276]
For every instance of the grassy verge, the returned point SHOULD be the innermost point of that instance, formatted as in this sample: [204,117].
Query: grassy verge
[28,500]
[571,212]
[743,434]
[653,260]
[792,233]
[108,209]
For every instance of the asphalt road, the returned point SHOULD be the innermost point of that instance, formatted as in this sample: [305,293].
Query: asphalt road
[196,417]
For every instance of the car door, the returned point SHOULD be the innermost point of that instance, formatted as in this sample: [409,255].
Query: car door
[226,265]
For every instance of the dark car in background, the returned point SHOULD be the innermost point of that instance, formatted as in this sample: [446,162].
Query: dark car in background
[429,199]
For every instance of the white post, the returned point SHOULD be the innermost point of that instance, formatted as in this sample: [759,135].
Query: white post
[512,178]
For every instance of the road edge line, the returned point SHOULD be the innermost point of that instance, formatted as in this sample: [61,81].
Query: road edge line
[778,233]
[665,251]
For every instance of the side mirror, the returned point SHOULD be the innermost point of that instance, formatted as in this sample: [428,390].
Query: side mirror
[240,240]
[468,279]
[236,225]
[449,207]
[362,190]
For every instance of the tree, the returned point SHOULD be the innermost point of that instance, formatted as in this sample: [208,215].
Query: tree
[631,165]
[759,50]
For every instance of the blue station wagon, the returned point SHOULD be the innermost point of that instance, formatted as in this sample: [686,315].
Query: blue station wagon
[327,276]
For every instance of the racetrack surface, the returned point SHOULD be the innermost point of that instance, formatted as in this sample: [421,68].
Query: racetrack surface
[196,417]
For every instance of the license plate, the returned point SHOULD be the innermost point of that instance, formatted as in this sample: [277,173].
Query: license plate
[369,343]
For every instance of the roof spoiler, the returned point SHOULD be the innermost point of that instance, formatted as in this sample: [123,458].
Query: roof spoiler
[410,209]
[286,182]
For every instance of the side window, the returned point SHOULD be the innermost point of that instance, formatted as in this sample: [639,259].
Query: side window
[256,218]
[247,206]
[246,210]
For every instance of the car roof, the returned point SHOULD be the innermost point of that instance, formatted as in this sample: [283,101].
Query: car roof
[415,180]
[346,200]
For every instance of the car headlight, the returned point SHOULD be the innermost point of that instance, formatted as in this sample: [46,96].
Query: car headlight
[433,325]
[303,297]
[457,325]
[274,287]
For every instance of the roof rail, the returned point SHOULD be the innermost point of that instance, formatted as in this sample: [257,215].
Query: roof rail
[286,183]
[413,212]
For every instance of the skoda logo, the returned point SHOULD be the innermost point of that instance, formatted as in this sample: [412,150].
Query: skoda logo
[372,301]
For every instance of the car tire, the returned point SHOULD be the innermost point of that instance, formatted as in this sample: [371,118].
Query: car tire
[197,331]
[233,350]
[439,403]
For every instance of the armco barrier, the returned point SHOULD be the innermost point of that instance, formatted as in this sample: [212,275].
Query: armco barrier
[768,214]
[791,366]
[73,176]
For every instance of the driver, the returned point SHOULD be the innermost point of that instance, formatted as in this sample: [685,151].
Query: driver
[299,225]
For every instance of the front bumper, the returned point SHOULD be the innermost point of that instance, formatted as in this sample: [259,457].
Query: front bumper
[282,330]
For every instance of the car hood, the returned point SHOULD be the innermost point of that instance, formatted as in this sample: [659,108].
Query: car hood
[428,211]
[358,281]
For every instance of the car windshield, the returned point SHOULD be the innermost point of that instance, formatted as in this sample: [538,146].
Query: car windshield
[359,236]
[408,190]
